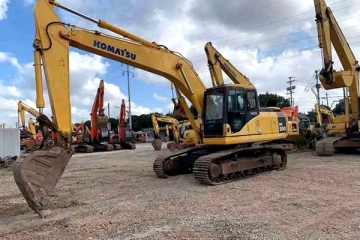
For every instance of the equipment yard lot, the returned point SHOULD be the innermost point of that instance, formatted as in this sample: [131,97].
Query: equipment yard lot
[117,196]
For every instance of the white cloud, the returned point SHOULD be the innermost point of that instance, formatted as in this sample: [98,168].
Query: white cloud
[9,91]
[29,2]
[3,8]
[160,98]
[86,71]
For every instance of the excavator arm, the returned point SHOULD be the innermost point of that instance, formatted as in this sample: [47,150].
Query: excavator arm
[32,128]
[155,124]
[318,114]
[22,108]
[173,124]
[319,110]
[160,118]
[98,118]
[330,32]
[217,62]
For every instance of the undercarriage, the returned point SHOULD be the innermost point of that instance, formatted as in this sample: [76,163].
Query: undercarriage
[331,145]
[213,165]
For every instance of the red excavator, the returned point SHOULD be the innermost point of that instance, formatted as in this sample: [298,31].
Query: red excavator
[100,134]
[125,137]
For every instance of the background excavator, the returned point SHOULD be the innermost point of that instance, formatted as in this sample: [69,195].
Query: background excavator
[329,33]
[157,142]
[34,139]
[236,138]
[124,136]
[100,134]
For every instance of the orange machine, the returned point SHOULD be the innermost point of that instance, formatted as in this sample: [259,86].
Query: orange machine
[124,133]
[293,112]
[100,134]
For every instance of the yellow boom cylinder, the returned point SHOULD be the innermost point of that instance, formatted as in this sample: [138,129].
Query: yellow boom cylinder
[40,102]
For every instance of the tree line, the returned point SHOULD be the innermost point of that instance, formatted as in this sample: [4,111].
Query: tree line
[142,121]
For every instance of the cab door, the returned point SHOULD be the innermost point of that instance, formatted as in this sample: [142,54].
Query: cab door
[252,111]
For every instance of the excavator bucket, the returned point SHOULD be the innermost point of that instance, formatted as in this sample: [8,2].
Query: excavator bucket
[178,110]
[156,143]
[172,146]
[37,173]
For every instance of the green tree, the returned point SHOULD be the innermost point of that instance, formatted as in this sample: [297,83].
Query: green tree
[281,101]
[312,115]
[114,124]
[141,121]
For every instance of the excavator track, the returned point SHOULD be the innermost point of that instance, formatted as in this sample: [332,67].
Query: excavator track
[325,147]
[213,167]
[209,169]
[169,165]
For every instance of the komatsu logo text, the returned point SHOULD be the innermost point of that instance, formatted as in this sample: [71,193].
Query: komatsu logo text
[112,49]
[230,70]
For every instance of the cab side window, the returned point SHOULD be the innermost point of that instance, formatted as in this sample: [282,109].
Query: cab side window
[236,101]
[251,98]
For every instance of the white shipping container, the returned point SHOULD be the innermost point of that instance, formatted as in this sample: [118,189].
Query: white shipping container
[9,142]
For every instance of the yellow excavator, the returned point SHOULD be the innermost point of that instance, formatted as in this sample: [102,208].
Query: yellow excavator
[182,139]
[236,138]
[31,129]
[335,125]
[173,122]
[22,108]
[329,32]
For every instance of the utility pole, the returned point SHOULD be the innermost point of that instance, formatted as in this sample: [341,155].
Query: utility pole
[290,90]
[128,80]
[317,86]
[327,99]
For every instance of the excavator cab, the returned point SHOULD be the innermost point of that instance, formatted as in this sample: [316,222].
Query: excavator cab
[232,105]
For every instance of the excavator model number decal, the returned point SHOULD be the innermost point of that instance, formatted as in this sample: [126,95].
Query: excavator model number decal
[282,124]
[112,49]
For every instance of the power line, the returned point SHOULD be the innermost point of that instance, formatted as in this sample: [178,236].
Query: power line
[303,49]
[277,37]
[271,47]
[315,48]
[267,25]
[237,14]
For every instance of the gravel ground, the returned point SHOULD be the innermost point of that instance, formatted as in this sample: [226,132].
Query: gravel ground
[116,195]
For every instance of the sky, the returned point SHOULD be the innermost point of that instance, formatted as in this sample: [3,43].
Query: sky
[267,40]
